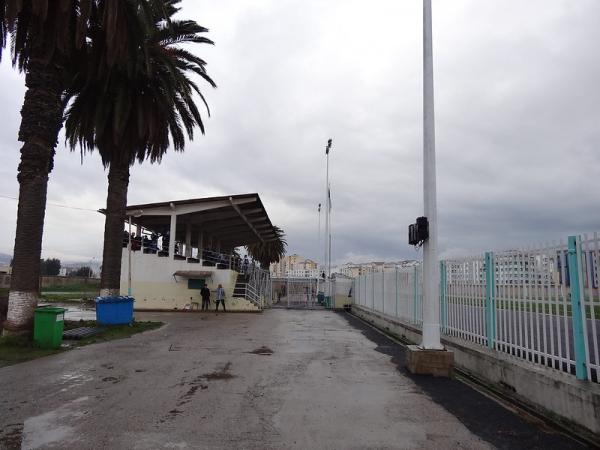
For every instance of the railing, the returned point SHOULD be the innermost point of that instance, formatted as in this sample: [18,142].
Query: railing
[396,293]
[258,288]
[539,303]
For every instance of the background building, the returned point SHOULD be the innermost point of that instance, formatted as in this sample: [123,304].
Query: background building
[353,270]
[295,266]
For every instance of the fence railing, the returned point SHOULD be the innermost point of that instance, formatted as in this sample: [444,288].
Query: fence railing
[539,303]
[258,287]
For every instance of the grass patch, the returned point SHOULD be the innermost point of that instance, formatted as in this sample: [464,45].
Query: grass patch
[67,298]
[79,287]
[17,349]
[64,293]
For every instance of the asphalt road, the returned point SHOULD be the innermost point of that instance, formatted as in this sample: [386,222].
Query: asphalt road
[281,379]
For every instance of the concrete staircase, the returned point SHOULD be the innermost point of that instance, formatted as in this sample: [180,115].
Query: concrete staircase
[244,290]
[240,286]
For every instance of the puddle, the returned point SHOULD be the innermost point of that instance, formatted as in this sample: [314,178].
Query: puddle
[262,351]
[114,380]
[76,311]
[11,437]
[49,428]
[222,374]
[72,380]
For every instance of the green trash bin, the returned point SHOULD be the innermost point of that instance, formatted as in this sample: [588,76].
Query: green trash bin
[48,327]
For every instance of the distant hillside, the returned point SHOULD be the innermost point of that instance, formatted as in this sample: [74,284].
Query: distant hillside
[5,259]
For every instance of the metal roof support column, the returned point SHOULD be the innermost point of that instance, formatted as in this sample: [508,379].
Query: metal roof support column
[245,219]
[172,231]
[200,245]
[188,240]
[138,232]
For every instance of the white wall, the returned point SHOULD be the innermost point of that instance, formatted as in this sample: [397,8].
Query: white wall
[154,286]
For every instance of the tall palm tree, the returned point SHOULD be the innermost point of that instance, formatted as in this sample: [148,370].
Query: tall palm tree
[269,251]
[46,34]
[137,113]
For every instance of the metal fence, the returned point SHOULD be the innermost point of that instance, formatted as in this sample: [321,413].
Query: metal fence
[538,303]
[397,294]
[294,292]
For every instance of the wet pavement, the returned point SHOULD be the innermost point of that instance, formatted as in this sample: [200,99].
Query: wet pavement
[281,379]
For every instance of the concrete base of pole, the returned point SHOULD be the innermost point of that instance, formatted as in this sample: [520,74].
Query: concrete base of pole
[420,361]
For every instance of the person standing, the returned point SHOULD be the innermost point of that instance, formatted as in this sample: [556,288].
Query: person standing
[205,294]
[220,297]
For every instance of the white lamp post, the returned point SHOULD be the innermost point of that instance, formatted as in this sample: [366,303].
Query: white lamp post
[431,309]
[327,262]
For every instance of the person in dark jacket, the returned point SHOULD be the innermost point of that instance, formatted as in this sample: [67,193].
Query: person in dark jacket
[205,294]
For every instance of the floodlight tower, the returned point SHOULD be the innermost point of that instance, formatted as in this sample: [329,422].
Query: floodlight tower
[327,262]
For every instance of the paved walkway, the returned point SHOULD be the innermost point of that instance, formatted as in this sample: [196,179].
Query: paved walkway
[281,379]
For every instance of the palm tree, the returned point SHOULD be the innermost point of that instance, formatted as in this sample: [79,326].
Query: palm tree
[136,113]
[46,34]
[269,251]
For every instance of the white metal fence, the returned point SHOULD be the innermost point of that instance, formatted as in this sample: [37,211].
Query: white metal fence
[396,294]
[538,303]
[258,288]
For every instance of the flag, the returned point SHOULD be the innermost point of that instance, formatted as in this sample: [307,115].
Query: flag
[328,147]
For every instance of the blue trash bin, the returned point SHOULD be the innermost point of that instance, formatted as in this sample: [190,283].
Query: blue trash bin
[114,310]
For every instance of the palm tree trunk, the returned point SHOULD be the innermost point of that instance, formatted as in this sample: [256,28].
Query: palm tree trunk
[116,202]
[41,120]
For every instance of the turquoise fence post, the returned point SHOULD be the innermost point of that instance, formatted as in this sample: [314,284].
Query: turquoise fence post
[490,299]
[443,299]
[577,320]
[416,293]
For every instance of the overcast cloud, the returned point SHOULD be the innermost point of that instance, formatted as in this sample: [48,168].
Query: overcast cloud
[517,126]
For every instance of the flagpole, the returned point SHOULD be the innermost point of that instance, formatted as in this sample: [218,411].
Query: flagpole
[318,245]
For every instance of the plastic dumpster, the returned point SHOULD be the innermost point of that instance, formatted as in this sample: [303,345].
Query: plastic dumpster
[48,325]
[114,310]
[327,301]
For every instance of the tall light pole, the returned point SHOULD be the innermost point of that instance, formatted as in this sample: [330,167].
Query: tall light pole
[327,261]
[431,309]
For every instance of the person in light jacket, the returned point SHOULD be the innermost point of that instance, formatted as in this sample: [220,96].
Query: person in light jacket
[220,297]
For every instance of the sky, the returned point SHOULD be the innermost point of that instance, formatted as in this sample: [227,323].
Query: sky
[517,101]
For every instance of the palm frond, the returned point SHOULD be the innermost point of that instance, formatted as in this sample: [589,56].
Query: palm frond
[147,104]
